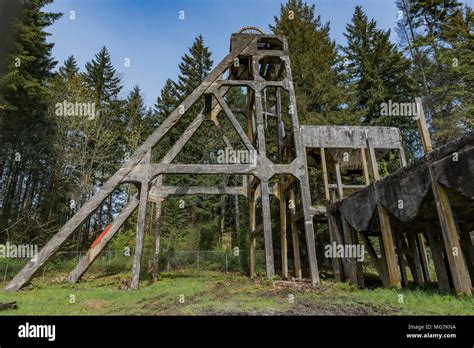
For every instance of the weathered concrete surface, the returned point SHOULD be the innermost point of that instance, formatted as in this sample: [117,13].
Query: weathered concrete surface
[359,208]
[58,240]
[403,192]
[252,50]
[349,137]
[456,170]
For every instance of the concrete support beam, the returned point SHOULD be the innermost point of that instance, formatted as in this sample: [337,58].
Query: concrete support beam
[378,262]
[92,254]
[351,276]
[436,246]
[423,257]
[295,237]
[283,239]
[336,264]
[137,257]
[417,267]
[267,231]
[387,235]
[156,255]
[449,228]
[252,227]
[450,232]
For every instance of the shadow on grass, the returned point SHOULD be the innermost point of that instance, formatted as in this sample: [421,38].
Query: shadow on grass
[373,281]
[175,275]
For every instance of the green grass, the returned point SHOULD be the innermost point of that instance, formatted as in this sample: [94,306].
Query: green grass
[216,293]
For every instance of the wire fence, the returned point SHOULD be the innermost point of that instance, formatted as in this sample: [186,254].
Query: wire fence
[119,261]
[111,262]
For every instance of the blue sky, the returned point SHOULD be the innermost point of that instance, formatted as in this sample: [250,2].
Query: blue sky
[153,37]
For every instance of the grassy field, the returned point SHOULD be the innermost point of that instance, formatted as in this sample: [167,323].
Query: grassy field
[216,293]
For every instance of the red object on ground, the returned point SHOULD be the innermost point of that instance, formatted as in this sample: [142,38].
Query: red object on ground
[99,238]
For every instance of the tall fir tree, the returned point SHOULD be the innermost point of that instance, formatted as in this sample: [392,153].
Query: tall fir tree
[103,80]
[457,56]
[167,101]
[203,212]
[102,77]
[424,30]
[454,57]
[72,170]
[25,128]
[137,123]
[320,92]
[69,69]
[194,67]
[379,74]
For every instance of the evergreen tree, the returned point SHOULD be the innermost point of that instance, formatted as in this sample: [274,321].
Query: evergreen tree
[167,101]
[456,83]
[102,77]
[25,128]
[73,169]
[320,92]
[193,68]
[204,212]
[135,120]
[362,67]
[458,56]
[424,31]
[165,104]
[378,73]
[376,69]
[69,69]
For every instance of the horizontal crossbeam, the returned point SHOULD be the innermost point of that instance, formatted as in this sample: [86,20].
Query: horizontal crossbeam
[163,191]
